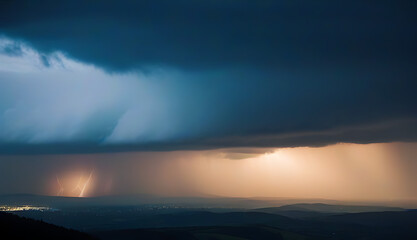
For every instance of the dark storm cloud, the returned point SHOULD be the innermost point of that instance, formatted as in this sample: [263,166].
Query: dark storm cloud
[127,34]
[240,73]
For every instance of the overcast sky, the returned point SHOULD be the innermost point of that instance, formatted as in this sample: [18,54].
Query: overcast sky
[82,78]
[87,77]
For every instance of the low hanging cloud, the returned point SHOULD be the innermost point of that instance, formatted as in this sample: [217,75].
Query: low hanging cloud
[155,75]
[69,106]
[50,98]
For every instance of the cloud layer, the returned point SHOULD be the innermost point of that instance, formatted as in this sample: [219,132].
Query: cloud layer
[154,75]
[217,34]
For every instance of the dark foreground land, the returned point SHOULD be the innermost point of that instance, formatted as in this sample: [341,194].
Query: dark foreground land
[243,225]
[15,227]
[170,221]
[233,225]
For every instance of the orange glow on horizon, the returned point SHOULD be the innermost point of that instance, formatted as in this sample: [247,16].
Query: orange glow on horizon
[78,182]
[347,172]
[357,172]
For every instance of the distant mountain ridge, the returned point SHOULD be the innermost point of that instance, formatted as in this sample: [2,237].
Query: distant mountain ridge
[328,208]
[319,205]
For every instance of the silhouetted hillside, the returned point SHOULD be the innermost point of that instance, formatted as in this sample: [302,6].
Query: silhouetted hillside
[214,219]
[328,208]
[199,233]
[252,225]
[316,210]
[406,219]
[15,227]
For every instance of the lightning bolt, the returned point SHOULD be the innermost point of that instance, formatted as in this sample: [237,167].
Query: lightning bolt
[61,188]
[86,184]
[78,187]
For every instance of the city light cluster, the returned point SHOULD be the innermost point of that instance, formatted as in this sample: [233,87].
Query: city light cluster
[8,208]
